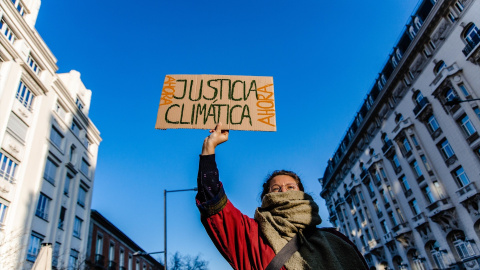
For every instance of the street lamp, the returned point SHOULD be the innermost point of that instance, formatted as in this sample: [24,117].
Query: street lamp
[143,253]
[165,218]
[457,100]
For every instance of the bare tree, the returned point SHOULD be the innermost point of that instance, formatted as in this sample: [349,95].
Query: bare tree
[11,249]
[187,262]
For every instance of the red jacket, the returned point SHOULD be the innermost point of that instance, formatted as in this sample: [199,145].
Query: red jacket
[238,238]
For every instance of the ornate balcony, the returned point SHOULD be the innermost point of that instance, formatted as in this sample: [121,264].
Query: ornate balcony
[439,207]
[419,220]
[387,147]
[420,106]
[467,192]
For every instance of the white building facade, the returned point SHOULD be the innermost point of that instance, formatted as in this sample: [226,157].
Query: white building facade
[48,147]
[404,184]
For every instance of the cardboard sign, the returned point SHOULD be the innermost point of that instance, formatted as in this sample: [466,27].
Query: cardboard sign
[201,101]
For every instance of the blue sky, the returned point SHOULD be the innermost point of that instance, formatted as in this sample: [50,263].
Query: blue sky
[323,56]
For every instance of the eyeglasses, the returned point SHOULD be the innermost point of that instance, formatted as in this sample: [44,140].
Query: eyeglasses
[288,187]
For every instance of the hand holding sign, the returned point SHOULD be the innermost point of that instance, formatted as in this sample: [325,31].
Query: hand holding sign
[217,136]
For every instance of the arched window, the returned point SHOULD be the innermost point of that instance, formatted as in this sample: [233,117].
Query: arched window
[471,35]
[449,94]
[418,97]
[412,31]
[394,61]
[439,66]
[398,53]
[418,23]
[439,255]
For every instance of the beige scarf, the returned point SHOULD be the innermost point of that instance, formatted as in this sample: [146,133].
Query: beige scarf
[284,214]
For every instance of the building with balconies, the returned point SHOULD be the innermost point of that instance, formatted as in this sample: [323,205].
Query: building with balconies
[402,185]
[110,249]
[48,147]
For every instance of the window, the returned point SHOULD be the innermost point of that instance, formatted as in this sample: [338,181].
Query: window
[439,66]
[61,219]
[467,126]
[60,111]
[77,227]
[25,96]
[472,35]
[452,17]
[99,247]
[393,218]
[394,61]
[34,246]
[43,206]
[122,258]
[462,246]
[395,161]
[418,22]
[446,149]
[384,226]
[414,140]
[50,171]
[432,124]
[459,6]
[56,137]
[7,32]
[82,195]
[33,64]
[7,168]
[425,163]
[75,128]
[414,206]
[17,126]
[73,260]
[450,95]
[477,111]
[404,182]
[428,194]
[3,213]
[400,216]
[111,252]
[71,156]
[18,6]
[439,190]
[419,98]
[79,104]
[85,167]
[464,90]
[416,169]
[377,209]
[130,262]
[385,197]
[56,255]
[406,145]
[66,187]
[461,177]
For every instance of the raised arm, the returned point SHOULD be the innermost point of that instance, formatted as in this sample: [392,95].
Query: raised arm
[217,136]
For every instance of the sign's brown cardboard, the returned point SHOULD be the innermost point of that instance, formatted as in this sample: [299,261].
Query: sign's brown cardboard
[201,101]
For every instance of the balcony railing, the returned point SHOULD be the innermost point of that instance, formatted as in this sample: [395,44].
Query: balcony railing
[439,206]
[99,260]
[420,106]
[388,237]
[467,191]
[387,146]
[472,44]
[112,265]
[419,220]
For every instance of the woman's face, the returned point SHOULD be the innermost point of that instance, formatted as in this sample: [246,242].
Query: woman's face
[282,183]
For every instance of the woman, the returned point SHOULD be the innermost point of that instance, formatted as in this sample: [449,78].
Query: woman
[286,211]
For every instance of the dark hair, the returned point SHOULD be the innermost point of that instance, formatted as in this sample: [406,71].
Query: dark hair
[266,185]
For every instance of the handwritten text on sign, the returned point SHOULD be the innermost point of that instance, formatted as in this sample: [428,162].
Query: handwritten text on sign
[201,101]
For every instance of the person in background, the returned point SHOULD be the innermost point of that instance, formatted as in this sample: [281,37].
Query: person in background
[286,212]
